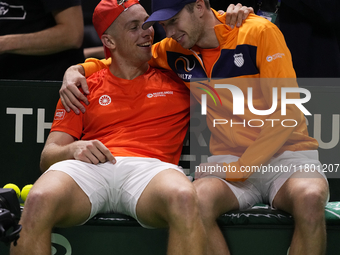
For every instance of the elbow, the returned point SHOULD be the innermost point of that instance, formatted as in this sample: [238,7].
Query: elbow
[72,37]
[43,166]
[76,40]
[295,114]
[70,41]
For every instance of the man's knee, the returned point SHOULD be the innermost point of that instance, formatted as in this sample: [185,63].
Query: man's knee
[182,200]
[311,191]
[310,199]
[38,201]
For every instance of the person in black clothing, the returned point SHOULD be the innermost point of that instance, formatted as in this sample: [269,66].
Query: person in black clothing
[39,40]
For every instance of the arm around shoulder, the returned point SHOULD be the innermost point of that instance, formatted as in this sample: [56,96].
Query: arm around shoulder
[93,65]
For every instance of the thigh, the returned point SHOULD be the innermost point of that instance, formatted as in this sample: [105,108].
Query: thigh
[56,194]
[299,176]
[160,195]
[230,195]
[95,181]
[226,194]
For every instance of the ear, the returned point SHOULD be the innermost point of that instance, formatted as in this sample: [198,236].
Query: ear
[200,7]
[108,41]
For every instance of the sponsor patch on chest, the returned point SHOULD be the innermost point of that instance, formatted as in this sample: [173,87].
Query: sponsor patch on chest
[160,94]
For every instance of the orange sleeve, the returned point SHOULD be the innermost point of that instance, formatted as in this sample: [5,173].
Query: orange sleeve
[269,142]
[276,70]
[93,65]
[273,59]
[67,122]
[159,54]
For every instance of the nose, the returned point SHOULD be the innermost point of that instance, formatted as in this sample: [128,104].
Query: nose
[169,30]
[148,32]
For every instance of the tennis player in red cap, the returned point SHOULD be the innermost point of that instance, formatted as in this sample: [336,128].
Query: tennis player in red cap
[122,154]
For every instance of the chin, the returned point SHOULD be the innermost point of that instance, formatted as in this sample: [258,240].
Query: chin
[187,45]
[148,57]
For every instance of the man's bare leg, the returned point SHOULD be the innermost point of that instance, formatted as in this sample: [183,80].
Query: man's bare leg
[54,200]
[215,198]
[170,200]
[305,199]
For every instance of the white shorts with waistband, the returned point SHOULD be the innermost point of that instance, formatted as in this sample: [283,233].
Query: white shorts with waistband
[114,187]
[263,185]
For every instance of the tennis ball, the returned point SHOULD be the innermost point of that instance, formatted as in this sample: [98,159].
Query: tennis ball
[13,186]
[25,190]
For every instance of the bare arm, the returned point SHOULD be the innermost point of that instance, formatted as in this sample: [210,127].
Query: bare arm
[66,34]
[70,95]
[94,52]
[62,146]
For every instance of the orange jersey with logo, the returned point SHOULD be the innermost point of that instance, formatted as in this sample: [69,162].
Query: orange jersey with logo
[144,117]
[253,56]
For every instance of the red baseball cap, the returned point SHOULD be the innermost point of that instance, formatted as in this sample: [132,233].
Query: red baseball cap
[106,12]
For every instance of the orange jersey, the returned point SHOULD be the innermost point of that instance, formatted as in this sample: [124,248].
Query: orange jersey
[144,117]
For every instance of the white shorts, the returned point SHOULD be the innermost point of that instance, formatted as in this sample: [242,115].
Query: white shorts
[262,186]
[114,187]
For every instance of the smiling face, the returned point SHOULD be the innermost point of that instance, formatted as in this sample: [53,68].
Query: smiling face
[130,43]
[186,28]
